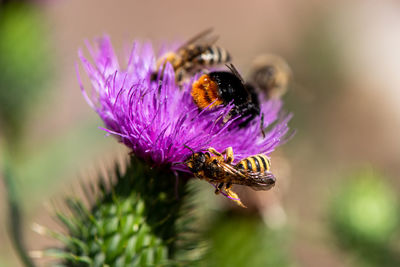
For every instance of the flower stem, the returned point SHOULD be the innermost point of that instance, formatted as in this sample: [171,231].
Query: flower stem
[14,213]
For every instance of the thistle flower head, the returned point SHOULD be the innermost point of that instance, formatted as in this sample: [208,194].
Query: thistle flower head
[158,120]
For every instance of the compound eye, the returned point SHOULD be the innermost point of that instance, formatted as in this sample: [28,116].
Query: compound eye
[200,157]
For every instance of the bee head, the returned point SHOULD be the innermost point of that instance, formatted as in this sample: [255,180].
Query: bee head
[196,162]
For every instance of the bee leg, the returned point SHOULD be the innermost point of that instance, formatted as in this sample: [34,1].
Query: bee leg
[227,118]
[262,125]
[179,76]
[233,196]
[215,152]
[219,188]
[248,110]
[228,186]
[229,154]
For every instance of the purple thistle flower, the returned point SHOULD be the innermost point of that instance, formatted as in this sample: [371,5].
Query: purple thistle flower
[157,118]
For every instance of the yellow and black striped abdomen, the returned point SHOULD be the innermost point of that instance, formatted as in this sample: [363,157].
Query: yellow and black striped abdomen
[256,163]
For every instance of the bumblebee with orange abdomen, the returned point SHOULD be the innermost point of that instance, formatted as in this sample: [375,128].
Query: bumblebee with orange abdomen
[222,88]
[218,170]
[196,54]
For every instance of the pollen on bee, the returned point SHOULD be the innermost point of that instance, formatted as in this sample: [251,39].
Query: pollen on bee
[204,92]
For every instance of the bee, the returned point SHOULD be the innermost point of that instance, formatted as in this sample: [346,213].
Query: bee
[196,54]
[225,87]
[218,170]
[271,74]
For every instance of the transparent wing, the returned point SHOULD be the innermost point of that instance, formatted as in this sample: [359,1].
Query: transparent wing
[231,170]
[203,38]
[256,180]
[234,70]
[260,181]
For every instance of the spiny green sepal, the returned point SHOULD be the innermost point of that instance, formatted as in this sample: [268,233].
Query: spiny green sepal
[133,221]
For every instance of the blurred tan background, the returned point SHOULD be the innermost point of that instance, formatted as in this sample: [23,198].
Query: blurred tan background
[344,96]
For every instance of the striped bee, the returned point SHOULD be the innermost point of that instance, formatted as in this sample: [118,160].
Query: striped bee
[194,55]
[257,164]
[217,169]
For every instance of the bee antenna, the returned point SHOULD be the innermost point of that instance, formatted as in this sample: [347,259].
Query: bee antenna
[177,163]
[189,148]
[234,70]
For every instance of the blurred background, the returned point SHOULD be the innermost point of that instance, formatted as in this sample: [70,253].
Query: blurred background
[336,201]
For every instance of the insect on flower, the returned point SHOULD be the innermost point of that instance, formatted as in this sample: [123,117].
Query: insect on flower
[155,118]
[218,170]
[270,74]
[225,87]
[199,52]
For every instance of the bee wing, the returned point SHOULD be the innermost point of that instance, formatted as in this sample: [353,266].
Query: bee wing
[200,38]
[232,170]
[247,87]
[259,180]
[256,180]
[234,70]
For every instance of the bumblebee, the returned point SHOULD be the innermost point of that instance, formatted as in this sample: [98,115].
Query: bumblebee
[271,74]
[194,55]
[223,87]
[218,170]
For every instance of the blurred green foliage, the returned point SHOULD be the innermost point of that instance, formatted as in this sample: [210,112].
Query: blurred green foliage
[364,217]
[245,240]
[24,63]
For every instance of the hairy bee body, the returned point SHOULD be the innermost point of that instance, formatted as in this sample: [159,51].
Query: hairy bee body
[213,167]
[271,74]
[200,58]
[221,88]
[195,55]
